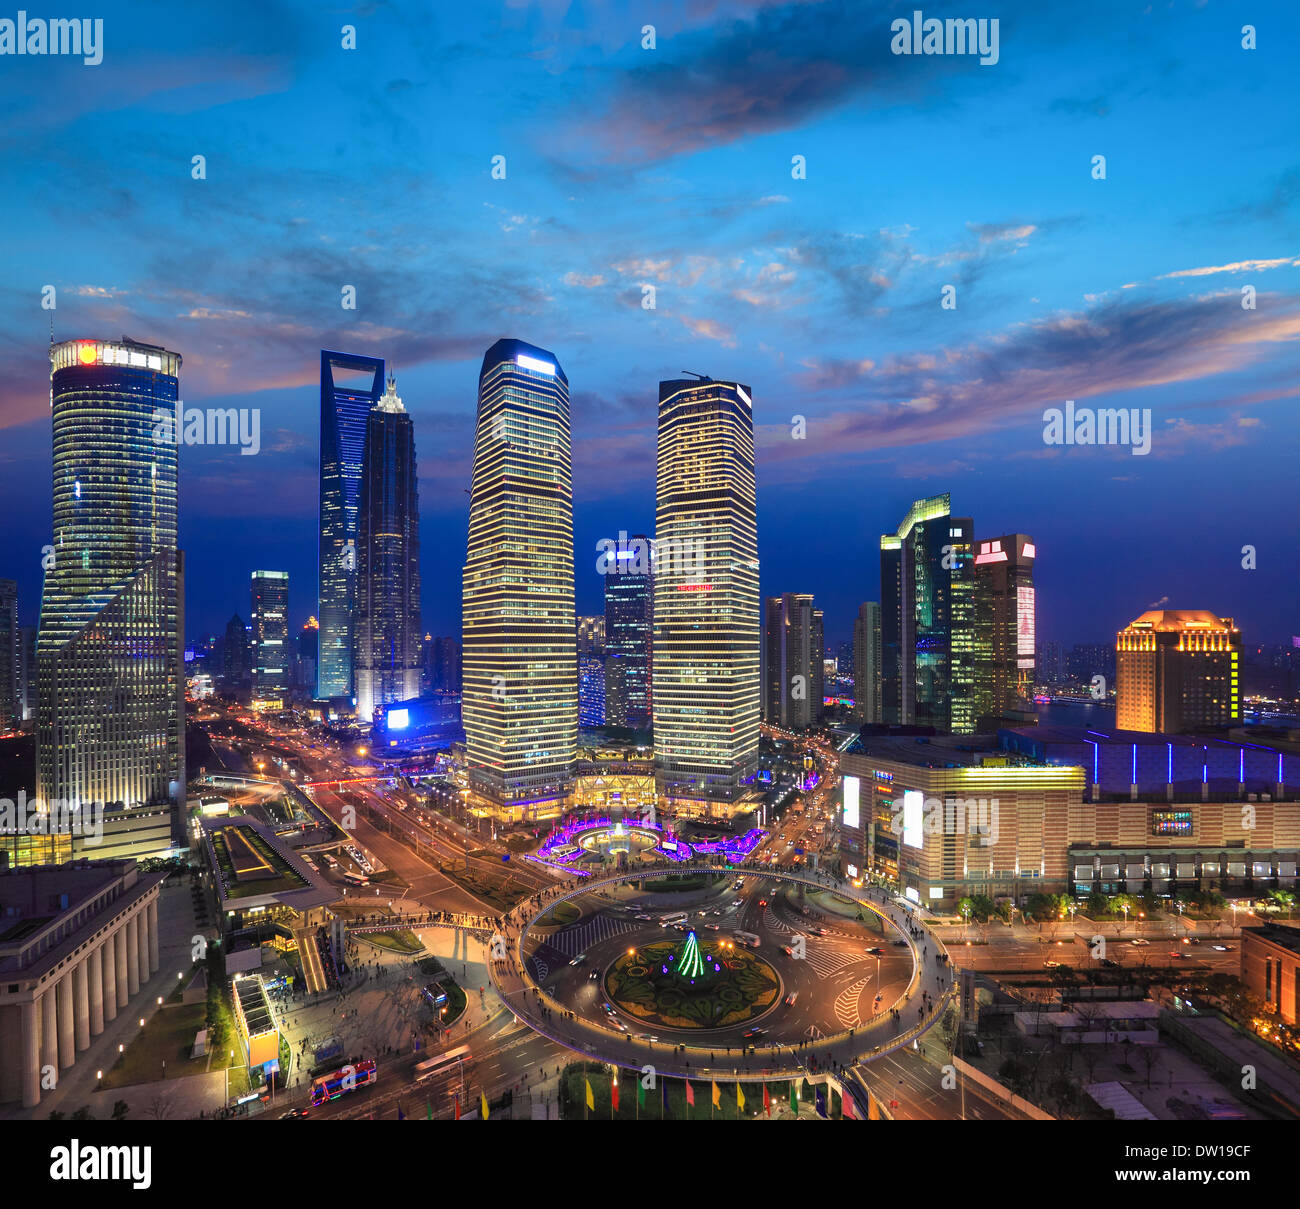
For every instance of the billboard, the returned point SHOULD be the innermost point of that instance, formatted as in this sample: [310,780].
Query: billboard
[1024,620]
[852,807]
[913,818]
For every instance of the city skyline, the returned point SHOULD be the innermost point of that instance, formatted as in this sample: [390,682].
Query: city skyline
[767,280]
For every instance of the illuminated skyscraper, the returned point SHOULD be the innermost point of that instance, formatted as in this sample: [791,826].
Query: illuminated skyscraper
[349,387]
[11,707]
[706,603]
[927,620]
[110,682]
[269,596]
[793,672]
[388,561]
[629,635]
[1004,631]
[866,663]
[520,671]
[1178,670]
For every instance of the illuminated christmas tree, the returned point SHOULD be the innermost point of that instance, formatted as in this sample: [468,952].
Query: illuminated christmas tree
[691,964]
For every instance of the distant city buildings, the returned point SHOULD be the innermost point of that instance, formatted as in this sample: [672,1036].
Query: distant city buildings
[706,603]
[1178,670]
[520,699]
[307,656]
[629,638]
[11,659]
[442,662]
[1049,663]
[1004,631]
[1088,659]
[927,620]
[271,671]
[794,660]
[591,634]
[866,663]
[110,652]
[349,387]
[236,658]
[387,619]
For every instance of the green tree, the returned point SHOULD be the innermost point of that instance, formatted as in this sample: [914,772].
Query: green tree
[1041,907]
[1097,903]
[120,1109]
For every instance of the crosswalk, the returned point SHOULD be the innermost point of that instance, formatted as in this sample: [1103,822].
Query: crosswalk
[846,1003]
[579,938]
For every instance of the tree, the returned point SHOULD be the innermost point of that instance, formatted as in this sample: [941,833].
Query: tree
[83,1114]
[1041,907]
[1097,903]
[120,1109]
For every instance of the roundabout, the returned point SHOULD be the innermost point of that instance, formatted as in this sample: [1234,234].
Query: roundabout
[759,975]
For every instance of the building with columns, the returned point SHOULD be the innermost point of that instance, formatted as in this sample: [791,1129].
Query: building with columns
[77,942]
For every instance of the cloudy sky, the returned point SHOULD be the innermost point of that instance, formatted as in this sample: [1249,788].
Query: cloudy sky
[628,167]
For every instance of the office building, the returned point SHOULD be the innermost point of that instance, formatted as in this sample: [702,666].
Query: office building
[110,652]
[349,387]
[591,634]
[269,596]
[866,663]
[706,604]
[629,636]
[1004,631]
[307,655]
[519,663]
[1178,670]
[794,664]
[11,659]
[236,657]
[1270,968]
[1049,667]
[927,620]
[387,623]
[591,690]
[441,664]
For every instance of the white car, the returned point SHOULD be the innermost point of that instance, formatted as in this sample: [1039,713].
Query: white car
[1139,941]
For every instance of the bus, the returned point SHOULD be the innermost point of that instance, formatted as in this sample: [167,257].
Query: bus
[336,1083]
[677,917]
[748,939]
[355,879]
[442,1064]
[330,862]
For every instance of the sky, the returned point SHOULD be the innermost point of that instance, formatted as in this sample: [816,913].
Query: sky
[674,166]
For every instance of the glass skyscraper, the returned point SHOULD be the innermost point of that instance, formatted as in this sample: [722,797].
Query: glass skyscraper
[349,387]
[388,561]
[110,655]
[927,620]
[794,670]
[520,670]
[706,604]
[866,662]
[1004,631]
[272,667]
[629,630]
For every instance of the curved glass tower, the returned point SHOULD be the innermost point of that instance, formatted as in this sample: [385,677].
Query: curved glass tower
[110,658]
[520,669]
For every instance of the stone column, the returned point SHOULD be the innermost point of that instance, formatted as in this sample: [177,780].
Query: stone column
[132,942]
[95,967]
[81,1003]
[49,1029]
[142,923]
[31,1068]
[153,936]
[67,1051]
[109,953]
[119,960]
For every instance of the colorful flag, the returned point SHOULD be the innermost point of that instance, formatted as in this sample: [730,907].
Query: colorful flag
[873,1109]
[664,1087]
[847,1111]
[456,1097]
[740,1099]
[591,1097]
[613,1094]
[483,1108]
[640,1094]
[717,1095]
[767,1100]
[794,1097]
[819,1099]
[428,1110]
[690,1094]
[401,1116]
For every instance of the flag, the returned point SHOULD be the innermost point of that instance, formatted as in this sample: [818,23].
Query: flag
[690,1094]
[740,1098]
[847,1111]
[591,1098]
[640,1094]
[401,1116]
[482,1102]
[873,1109]
[767,1100]
[613,1095]
[794,1097]
[819,1094]
[717,1095]
[664,1086]
[456,1097]
[428,1110]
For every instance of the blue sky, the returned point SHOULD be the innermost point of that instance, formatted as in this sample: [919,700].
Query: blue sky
[671,167]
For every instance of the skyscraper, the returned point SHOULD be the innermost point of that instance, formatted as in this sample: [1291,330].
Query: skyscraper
[1178,670]
[706,603]
[388,560]
[629,635]
[11,658]
[110,654]
[591,690]
[349,387]
[866,662]
[1004,631]
[520,671]
[794,669]
[927,620]
[591,634]
[269,593]
[236,657]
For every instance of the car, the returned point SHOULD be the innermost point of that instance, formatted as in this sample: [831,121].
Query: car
[618,1024]
[577,961]
[900,944]
[791,999]
[1176,953]
[712,927]
[1137,940]
[646,1037]
[609,1008]
[820,931]
[737,902]
[787,950]
[875,951]
[1109,963]
[754,1032]
[762,902]
[1219,948]
[594,976]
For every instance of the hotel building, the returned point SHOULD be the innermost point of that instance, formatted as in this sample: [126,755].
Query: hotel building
[1177,670]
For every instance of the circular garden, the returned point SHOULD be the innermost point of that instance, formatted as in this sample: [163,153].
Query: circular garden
[727,985]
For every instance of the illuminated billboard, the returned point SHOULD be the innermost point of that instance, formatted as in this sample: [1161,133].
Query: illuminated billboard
[399,719]
[1024,621]
[852,795]
[913,818]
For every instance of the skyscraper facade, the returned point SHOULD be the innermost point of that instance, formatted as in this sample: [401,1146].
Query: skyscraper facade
[11,705]
[794,667]
[1178,670]
[349,387]
[927,620]
[1004,630]
[866,663]
[591,690]
[272,659]
[706,662]
[591,634]
[236,657]
[110,654]
[520,672]
[629,635]
[388,560]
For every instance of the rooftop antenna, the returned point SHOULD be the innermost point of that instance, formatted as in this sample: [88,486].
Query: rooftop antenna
[702,377]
